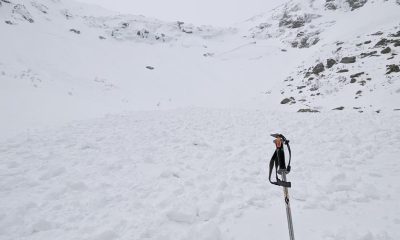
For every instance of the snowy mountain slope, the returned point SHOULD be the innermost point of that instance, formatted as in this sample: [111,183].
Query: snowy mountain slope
[59,56]
[202,174]
[320,27]
[197,173]
[90,61]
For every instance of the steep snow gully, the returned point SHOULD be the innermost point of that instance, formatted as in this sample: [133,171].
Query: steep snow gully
[202,174]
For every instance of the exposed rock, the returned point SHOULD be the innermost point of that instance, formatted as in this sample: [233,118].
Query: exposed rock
[392,68]
[354,4]
[342,71]
[290,100]
[306,41]
[307,110]
[348,60]
[101,37]
[330,5]
[301,87]
[318,68]
[150,67]
[9,22]
[330,62]
[75,31]
[289,22]
[386,50]
[369,54]
[338,108]
[315,88]
[21,10]
[124,25]
[367,42]
[356,75]
[377,33]
[382,42]
[67,14]
[358,92]
[353,80]
[339,43]
[395,34]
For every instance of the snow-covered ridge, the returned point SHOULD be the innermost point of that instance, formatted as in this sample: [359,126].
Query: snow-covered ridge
[300,23]
[107,24]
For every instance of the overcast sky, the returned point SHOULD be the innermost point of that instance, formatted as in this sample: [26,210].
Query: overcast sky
[216,12]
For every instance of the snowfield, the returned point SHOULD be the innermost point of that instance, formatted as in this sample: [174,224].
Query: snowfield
[124,127]
[202,174]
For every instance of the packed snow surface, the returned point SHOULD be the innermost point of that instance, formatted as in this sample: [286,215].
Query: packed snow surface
[202,174]
[147,129]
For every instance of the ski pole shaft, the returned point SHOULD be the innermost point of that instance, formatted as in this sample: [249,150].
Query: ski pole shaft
[288,211]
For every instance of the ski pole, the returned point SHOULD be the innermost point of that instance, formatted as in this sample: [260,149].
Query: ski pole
[279,160]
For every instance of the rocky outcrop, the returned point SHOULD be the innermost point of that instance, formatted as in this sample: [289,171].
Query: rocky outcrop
[318,68]
[290,100]
[354,4]
[348,60]
[330,62]
[392,68]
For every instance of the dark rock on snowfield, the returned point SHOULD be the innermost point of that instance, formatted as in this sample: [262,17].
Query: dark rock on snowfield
[356,75]
[348,60]
[330,5]
[354,4]
[377,33]
[338,108]
[369,54]
[150,67]
[75,31]
[395,34]
[307,110]
[330,62]
[382,42]
[392,68]
[353,80]
[342,71]
[288,100]
[318,68]
[287,21]
[386,50]
[367,42]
